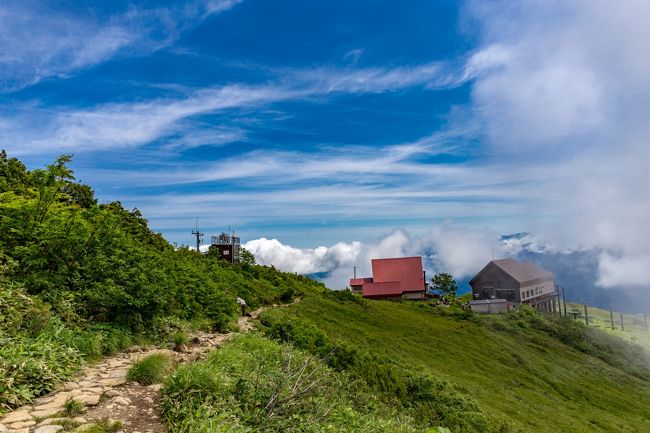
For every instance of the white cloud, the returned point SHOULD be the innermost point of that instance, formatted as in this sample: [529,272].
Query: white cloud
[133,124]
[630,272]
[193,136]
[447,248]
[354,55]
[567,86]
[370,80]
[117,125]
[38,41]
[303,261]
[460,251]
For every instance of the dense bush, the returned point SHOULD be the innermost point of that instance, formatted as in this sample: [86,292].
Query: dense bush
[254,384]
[38,349]
[67,262]
[105,263]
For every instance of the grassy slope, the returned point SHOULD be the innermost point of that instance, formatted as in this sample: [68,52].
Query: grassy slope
[634,332]
[534,380]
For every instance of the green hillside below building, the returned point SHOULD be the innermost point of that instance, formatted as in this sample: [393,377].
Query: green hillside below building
[537,374]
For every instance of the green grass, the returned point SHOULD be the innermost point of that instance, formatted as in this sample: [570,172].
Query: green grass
[179,339]
[634,324]
[73,407]
[151,369]
[515,368]
[103,426]
[254,384]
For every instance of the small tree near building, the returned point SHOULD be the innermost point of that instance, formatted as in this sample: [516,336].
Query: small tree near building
[246,257]
[444,285]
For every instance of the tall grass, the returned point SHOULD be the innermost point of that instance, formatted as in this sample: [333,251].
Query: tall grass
[151,369]
[38,350]
[254,384]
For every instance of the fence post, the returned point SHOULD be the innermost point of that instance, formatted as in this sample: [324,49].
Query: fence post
[564,300]
[611,317]
[622,324]
[586,316]
[645,320]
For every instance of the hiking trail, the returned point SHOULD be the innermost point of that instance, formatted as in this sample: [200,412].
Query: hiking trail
[105,395]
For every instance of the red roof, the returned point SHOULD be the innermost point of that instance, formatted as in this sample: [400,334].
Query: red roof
[383,289]
[407,271]
[360,281]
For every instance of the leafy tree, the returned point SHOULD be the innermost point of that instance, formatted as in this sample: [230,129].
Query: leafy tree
[13,175]
[246,257]
[80,194]
[445,285]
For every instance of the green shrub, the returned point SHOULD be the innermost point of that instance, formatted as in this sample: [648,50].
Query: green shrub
[30,367]
[303,333]
[179,339]
[150,369]
[287,294]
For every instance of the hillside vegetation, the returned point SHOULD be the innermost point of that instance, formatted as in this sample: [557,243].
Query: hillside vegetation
[635,326]
[79,280]
[520,371]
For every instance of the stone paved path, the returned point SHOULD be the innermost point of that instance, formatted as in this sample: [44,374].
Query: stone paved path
[104,394]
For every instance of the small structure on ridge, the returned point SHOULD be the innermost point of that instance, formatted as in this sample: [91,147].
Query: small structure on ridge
[227,246]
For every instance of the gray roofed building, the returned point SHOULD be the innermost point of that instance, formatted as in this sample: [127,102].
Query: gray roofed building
[517,282]
[524,272]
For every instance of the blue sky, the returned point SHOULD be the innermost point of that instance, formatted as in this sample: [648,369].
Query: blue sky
[330,123]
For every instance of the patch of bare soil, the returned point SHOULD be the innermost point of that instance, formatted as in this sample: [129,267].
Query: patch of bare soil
[136,406]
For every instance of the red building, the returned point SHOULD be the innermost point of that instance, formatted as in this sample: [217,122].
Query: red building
[392,279]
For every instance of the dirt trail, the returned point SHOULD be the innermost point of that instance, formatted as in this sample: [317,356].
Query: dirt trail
[105,395]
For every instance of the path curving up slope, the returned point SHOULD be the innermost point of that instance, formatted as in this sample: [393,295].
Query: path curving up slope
[105,394]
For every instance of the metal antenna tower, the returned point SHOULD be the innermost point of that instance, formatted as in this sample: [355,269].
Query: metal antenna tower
[198,234]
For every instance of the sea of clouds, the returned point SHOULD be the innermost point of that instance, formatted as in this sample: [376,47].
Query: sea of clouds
[445,248]
[462,252]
